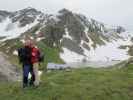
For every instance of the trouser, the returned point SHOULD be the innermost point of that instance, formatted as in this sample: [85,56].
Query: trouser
[26,70]
[37,77]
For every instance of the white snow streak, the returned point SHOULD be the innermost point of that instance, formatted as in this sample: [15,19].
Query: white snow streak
[70,56]
[67,34]
[14,31]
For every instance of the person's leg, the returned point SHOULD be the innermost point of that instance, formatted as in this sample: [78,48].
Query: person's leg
[37,79]
[25,75]
[32,75]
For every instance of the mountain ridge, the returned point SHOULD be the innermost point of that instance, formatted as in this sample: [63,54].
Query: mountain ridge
[80,38]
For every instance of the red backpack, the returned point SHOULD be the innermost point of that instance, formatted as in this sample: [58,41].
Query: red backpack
[35,55]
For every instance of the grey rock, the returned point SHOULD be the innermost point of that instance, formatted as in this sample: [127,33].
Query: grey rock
[8,72]
[54,66]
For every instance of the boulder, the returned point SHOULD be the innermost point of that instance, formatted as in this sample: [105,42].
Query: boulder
[8,72]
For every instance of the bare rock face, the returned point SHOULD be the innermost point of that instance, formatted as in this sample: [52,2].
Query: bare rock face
[8,72]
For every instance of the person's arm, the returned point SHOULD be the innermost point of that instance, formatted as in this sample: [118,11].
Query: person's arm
[19,56]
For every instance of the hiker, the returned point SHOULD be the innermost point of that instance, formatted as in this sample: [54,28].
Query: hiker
[25,55]
[35,55]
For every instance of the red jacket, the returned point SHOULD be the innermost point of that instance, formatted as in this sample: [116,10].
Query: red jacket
[35,55]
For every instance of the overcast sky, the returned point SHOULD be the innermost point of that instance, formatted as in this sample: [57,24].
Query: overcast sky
[113,12]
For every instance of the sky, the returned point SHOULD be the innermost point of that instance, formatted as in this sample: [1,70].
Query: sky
[112,12]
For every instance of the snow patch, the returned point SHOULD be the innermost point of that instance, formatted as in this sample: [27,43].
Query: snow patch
[67,34]
[108,52]
[70,56]
[61,40]
[54,17]
[40,38]
[14,31]
[105,53]
[90,41]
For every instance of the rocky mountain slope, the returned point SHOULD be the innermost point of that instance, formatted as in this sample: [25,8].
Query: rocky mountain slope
[78,38]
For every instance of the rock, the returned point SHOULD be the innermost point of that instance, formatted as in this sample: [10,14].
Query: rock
[54,66]
[8,72]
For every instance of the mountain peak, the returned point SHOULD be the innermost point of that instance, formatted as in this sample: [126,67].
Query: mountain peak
[29,9]
[64,10]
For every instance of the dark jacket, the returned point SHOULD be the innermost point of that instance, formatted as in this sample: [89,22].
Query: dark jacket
[24,55]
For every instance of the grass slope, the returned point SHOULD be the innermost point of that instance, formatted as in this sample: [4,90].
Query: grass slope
[50,54]
[78,84]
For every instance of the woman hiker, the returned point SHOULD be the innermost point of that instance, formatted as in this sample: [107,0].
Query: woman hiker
[35,55]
